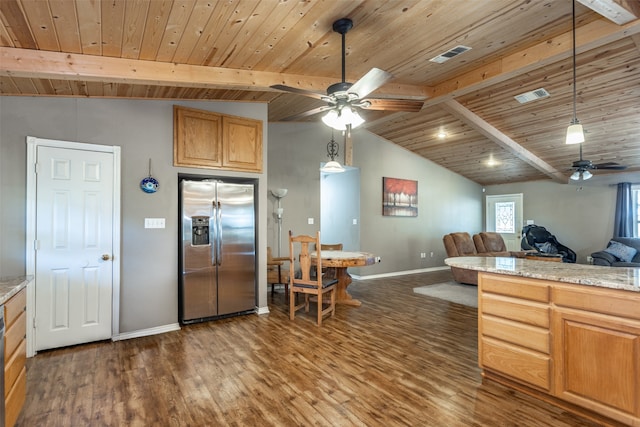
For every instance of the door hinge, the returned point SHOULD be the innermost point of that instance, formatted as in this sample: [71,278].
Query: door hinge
[36,168]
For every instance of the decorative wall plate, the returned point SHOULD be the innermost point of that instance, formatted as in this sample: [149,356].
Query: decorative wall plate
[149,184]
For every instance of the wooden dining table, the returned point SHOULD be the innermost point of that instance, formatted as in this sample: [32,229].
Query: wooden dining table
[340,261]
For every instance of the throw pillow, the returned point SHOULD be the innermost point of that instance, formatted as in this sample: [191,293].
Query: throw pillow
[621,251]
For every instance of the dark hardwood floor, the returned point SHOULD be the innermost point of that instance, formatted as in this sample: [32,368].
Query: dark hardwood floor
[401,359]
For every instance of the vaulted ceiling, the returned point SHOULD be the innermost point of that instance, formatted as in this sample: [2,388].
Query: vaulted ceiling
[235,50]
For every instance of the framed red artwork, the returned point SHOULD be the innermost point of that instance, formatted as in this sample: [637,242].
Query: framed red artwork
[399,197]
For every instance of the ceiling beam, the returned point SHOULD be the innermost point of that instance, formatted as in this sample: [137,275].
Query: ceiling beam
[27,63]
[619,11]
[477,123]
[590,36]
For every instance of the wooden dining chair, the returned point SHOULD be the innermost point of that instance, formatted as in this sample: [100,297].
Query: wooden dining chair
[305,282]
[277,272]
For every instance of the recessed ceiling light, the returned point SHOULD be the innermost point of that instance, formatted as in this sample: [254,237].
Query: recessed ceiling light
[492,161]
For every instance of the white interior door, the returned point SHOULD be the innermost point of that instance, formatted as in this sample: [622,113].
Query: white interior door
[504,216]
[74,246]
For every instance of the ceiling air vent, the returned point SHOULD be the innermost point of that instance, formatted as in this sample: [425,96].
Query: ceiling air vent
[450,54]
[523,98]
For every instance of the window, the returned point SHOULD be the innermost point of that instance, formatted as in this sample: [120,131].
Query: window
[505,217]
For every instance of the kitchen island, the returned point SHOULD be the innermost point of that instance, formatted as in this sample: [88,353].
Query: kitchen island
[566,333]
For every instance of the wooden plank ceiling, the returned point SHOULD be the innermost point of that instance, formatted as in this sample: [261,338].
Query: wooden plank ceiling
[235,50]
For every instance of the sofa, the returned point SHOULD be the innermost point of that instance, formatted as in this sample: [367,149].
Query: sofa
[620,252]
[482,244]
[492,244]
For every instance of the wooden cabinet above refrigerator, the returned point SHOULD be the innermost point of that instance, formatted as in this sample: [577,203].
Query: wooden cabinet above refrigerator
[204,139]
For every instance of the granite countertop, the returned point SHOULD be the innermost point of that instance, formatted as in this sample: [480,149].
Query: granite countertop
[624,278]
[9,286]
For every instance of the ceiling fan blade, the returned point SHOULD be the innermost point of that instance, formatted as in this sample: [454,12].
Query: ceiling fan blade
[299,91]
[370,82]
[407,105]
[609,165]
[306,113]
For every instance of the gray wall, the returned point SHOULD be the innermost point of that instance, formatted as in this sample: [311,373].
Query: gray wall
[446,201]
[580,216]
[144,129]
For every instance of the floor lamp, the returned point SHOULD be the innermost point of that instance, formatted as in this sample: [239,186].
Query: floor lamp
[279,194]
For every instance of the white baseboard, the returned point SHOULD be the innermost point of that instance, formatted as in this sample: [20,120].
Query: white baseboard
[400,273]
[146,332]
[262,310]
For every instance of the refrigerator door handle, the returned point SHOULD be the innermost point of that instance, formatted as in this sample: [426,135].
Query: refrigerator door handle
[219,239]
[212,233]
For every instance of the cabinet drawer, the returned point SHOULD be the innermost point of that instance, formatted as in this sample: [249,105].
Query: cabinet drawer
[16,399]
[14,335]
[600,300]
[530,289]
[14,307]
[520,334]
[14,365]
[518,310]
[517,363]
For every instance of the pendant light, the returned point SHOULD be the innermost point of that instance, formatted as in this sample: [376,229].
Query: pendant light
[575,133]
[332,152]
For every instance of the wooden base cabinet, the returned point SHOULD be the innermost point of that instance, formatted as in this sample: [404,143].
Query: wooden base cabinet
[15,354]
[574,345]
[597,351]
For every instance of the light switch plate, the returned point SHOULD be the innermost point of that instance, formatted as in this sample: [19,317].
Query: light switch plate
[310,221]
[154,223]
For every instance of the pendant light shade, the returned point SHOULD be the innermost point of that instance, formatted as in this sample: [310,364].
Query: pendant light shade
[332,167]
[575,133]
[339,119]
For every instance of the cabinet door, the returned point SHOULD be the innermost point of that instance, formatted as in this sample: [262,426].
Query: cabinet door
[242,147]
[597,362]
[197,138]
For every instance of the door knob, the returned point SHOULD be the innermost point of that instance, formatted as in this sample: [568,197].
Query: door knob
[106,257]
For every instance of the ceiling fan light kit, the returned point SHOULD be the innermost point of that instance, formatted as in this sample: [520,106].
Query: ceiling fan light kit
[340,119]
[584,174]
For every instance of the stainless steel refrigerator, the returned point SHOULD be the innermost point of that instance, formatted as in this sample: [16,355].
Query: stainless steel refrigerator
[217,249]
